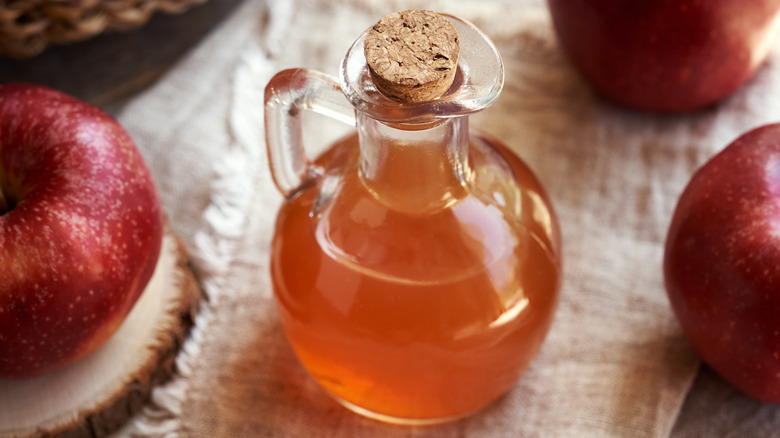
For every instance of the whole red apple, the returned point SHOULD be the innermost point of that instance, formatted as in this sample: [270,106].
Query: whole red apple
[80,228]
[722,263]
[665,55]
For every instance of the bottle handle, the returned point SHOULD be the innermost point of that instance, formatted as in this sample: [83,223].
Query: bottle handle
[286,94]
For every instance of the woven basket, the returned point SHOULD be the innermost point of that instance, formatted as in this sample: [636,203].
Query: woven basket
[28,26]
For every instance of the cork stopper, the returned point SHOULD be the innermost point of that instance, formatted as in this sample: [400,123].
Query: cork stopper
[412,55]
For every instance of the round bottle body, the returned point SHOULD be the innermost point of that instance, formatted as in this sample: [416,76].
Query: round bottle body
[417,317]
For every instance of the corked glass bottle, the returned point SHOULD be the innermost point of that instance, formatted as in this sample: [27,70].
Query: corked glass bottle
[416,265]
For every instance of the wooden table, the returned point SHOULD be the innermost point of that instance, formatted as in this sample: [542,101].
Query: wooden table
[110,68]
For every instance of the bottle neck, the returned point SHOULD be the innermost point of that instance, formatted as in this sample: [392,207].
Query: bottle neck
[417,169]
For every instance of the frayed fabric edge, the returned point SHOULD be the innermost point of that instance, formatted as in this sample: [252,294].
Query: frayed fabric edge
[213,253]
[216,245]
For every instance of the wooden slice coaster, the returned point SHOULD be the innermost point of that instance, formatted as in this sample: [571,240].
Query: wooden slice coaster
[99,393]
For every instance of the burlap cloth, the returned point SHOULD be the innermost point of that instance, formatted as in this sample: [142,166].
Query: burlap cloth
[615,364]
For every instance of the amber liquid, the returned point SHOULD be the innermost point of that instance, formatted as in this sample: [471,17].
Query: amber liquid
[416,318]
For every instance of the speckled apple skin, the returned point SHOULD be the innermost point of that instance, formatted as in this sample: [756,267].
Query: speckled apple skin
[722,263]
[666,55]
[82,238]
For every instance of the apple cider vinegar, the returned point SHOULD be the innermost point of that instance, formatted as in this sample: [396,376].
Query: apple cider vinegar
[413,316]
[416,265]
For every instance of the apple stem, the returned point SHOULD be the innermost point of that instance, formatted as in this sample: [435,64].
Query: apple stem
[4,207]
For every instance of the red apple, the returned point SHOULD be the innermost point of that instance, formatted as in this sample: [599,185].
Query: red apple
[80,228]
[722,263]
[665,55]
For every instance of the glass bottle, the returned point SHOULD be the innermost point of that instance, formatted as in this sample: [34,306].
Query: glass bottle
[416,264]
